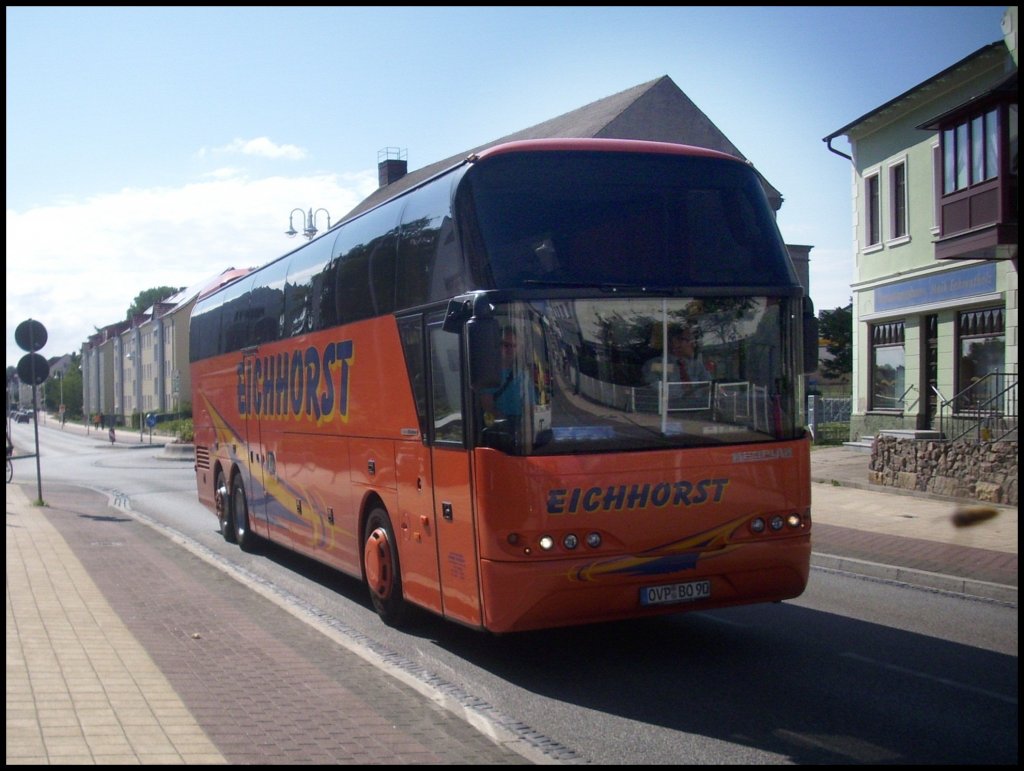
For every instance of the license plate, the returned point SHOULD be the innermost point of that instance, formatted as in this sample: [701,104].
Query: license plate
[672,593]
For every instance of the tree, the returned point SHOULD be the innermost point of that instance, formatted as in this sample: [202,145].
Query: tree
[69,387]
[835,327]
[149,297]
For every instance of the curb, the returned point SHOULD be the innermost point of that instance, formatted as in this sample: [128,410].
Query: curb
[1001,593]
[179,451]
[856,485]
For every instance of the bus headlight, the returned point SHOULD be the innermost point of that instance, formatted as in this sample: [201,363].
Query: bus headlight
[546,542]
[776,523]
[570,541]
[757,525]
[593,540]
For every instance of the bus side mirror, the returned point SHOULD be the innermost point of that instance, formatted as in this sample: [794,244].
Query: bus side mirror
[483,337]
[810,337]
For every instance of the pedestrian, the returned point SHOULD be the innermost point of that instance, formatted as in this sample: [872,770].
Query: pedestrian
[112,435]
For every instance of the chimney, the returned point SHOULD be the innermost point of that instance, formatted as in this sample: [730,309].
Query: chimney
[391,165]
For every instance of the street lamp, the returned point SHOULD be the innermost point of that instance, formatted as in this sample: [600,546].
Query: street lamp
[308,222]
[60,409]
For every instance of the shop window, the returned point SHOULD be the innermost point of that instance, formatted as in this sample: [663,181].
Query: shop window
[981,341]
[888,366]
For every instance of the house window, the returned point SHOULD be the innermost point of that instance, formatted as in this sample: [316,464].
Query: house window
[898,200]
[970,152]
[888,366]
[872,211]
[981,339]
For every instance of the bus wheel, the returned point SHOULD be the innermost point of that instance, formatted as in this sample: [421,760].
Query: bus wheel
[223,504]
[244,537]
[383,576]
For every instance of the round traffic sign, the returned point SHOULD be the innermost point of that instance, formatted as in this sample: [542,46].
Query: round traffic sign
[33,369]
[30,336]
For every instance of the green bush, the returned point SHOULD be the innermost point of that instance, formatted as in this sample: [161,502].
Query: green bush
[182,430]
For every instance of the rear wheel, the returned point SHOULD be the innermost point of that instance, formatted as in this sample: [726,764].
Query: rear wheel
[244,536]
[383,576]
[222,501]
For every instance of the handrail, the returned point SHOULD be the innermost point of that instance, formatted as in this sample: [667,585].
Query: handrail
[902,399]
[986,414]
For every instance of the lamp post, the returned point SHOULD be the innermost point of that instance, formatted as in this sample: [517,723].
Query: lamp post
[60,409]
[308,222]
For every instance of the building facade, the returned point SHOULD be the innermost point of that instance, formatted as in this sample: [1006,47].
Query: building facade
[935,296]
[135,368]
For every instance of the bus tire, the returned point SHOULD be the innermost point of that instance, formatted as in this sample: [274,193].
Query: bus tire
[244,536]
[380,562]
[222,502]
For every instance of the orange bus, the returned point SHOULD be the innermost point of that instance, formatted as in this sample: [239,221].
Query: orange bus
[469,396]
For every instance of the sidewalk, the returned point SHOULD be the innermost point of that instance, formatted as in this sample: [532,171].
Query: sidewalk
[125,647]
[904,536]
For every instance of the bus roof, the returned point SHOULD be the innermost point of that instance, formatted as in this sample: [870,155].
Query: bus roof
[570,144]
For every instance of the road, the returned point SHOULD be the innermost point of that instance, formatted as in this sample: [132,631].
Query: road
[854,671]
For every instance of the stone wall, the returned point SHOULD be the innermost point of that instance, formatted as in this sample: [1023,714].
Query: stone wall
[985,471]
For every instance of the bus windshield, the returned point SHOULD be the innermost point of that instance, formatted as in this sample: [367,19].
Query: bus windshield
[638,374]
[651,222]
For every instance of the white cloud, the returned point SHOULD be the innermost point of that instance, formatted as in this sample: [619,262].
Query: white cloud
[78,265]
[262,147]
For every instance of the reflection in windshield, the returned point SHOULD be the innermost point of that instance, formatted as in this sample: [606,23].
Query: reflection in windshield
[640,373]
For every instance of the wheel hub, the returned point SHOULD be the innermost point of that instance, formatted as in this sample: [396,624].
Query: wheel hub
[377,556]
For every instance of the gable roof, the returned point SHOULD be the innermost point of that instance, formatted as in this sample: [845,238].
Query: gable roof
[657,110]
[983,57]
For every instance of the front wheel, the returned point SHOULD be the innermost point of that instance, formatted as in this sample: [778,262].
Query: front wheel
[383,575]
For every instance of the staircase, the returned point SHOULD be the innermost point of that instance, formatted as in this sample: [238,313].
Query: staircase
[866,443]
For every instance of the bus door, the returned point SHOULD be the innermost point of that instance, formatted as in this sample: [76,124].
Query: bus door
[454,509]
[252,456]
[446,502]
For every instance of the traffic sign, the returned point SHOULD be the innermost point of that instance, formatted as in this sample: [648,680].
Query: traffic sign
[30,336]
[33,369]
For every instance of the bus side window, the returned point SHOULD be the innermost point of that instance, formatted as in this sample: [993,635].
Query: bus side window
[410,331]
[365,270]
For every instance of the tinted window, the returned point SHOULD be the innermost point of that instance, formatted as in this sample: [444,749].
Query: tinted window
[266,304]
[234,327]
[309,302]
[429,266]
[629,219]
[365,264]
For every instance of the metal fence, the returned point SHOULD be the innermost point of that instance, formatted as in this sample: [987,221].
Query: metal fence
[829,418]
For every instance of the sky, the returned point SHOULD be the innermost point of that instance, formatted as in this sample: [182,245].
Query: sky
[158,146]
